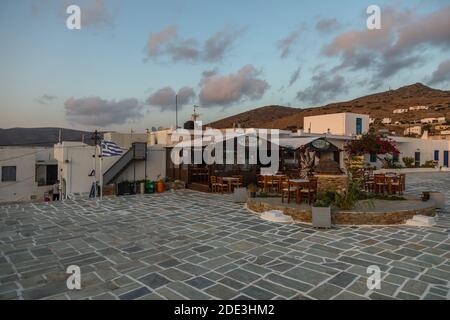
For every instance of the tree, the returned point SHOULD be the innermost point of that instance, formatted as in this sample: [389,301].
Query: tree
[371,143]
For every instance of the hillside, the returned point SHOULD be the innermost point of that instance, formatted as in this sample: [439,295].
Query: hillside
[40,136]
[378,106]
[256,118]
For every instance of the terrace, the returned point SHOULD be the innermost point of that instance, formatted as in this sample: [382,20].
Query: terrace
[192,245]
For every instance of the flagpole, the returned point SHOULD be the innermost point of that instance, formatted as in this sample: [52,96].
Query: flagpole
[101,177]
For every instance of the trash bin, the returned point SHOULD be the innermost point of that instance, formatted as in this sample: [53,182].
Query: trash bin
[150,186]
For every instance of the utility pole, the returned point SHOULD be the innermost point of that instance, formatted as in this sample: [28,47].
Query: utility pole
[176,111]
[96,138]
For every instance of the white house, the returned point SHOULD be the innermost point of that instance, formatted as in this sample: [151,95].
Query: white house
[386,121]
[27,173]
[337,124]
[417,130]
[416,108]
[433,120]
[77,166]
[400,111]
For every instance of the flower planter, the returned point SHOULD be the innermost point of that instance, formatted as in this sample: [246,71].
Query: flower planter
[438,198]
[321,217]
[240,195]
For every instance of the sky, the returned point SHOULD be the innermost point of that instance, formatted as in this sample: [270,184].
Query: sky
[122,69]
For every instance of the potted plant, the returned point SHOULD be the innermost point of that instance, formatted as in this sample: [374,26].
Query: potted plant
[321,212]
[252,190]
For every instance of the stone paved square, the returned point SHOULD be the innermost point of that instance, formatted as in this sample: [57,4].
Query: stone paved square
[191,245]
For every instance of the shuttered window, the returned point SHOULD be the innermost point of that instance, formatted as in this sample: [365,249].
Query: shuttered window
[8,173]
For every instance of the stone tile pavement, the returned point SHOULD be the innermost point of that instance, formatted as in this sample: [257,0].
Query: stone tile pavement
[190,245]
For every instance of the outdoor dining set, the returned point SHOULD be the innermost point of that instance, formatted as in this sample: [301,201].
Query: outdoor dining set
[384,183]
[288,188]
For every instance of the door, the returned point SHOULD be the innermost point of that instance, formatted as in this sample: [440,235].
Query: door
[446,159]
[417,159]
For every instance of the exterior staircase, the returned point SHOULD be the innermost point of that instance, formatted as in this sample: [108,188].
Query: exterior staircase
[137,152]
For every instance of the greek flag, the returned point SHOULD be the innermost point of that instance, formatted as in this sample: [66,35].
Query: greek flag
[110,149]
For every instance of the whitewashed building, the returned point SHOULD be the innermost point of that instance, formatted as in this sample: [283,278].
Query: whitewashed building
[416,108]
[400,111]
[386,121]
[433,120]
[26,173]
[337,124]
[416,130]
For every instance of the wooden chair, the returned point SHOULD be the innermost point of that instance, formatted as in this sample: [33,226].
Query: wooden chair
[261,182]
[398,185]
[369,183]
[310,191]
[222,185]
[214,184]
[288,189]
[239,183]
[272,183]
[380,183]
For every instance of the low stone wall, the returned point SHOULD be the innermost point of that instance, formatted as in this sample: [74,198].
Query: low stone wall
[331,182]
[343,217]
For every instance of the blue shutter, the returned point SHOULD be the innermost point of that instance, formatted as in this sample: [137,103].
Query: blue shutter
[358,126]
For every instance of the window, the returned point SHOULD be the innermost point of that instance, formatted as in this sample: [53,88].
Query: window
[8,173]
[373,157]
[436,155]
[358,125]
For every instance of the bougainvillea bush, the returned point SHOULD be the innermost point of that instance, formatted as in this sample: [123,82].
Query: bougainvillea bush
[371,143]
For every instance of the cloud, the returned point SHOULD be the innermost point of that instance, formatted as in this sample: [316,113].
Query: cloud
[46,99]
[397,46]
[219,43]
[285,45]
[95,14]
[165,97]
[167,42]
[441,74]
[324,88]
[94,111]
[228,89]
[157,40]
[294,76]
[327,25]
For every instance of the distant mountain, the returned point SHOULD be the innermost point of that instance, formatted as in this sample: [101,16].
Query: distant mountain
[378,106]
[40,136]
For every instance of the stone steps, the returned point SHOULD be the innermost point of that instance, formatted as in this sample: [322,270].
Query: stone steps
[422,221]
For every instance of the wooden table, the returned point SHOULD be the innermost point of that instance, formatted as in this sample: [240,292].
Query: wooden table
[230,181]
[299,183]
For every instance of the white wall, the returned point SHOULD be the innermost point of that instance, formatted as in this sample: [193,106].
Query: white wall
[156,166]
[25,159]
[124,140]
[337,123]
[350,123]
[408,147]
[75,162]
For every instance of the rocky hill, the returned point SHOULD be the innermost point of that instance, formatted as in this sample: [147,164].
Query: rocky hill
[40,136]
[379,105]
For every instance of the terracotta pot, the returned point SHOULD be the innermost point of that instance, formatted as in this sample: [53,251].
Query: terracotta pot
[160,186]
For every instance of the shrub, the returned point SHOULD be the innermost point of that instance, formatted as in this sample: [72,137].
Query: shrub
[324,200]
[408,161]
[347,199]
[429,164]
